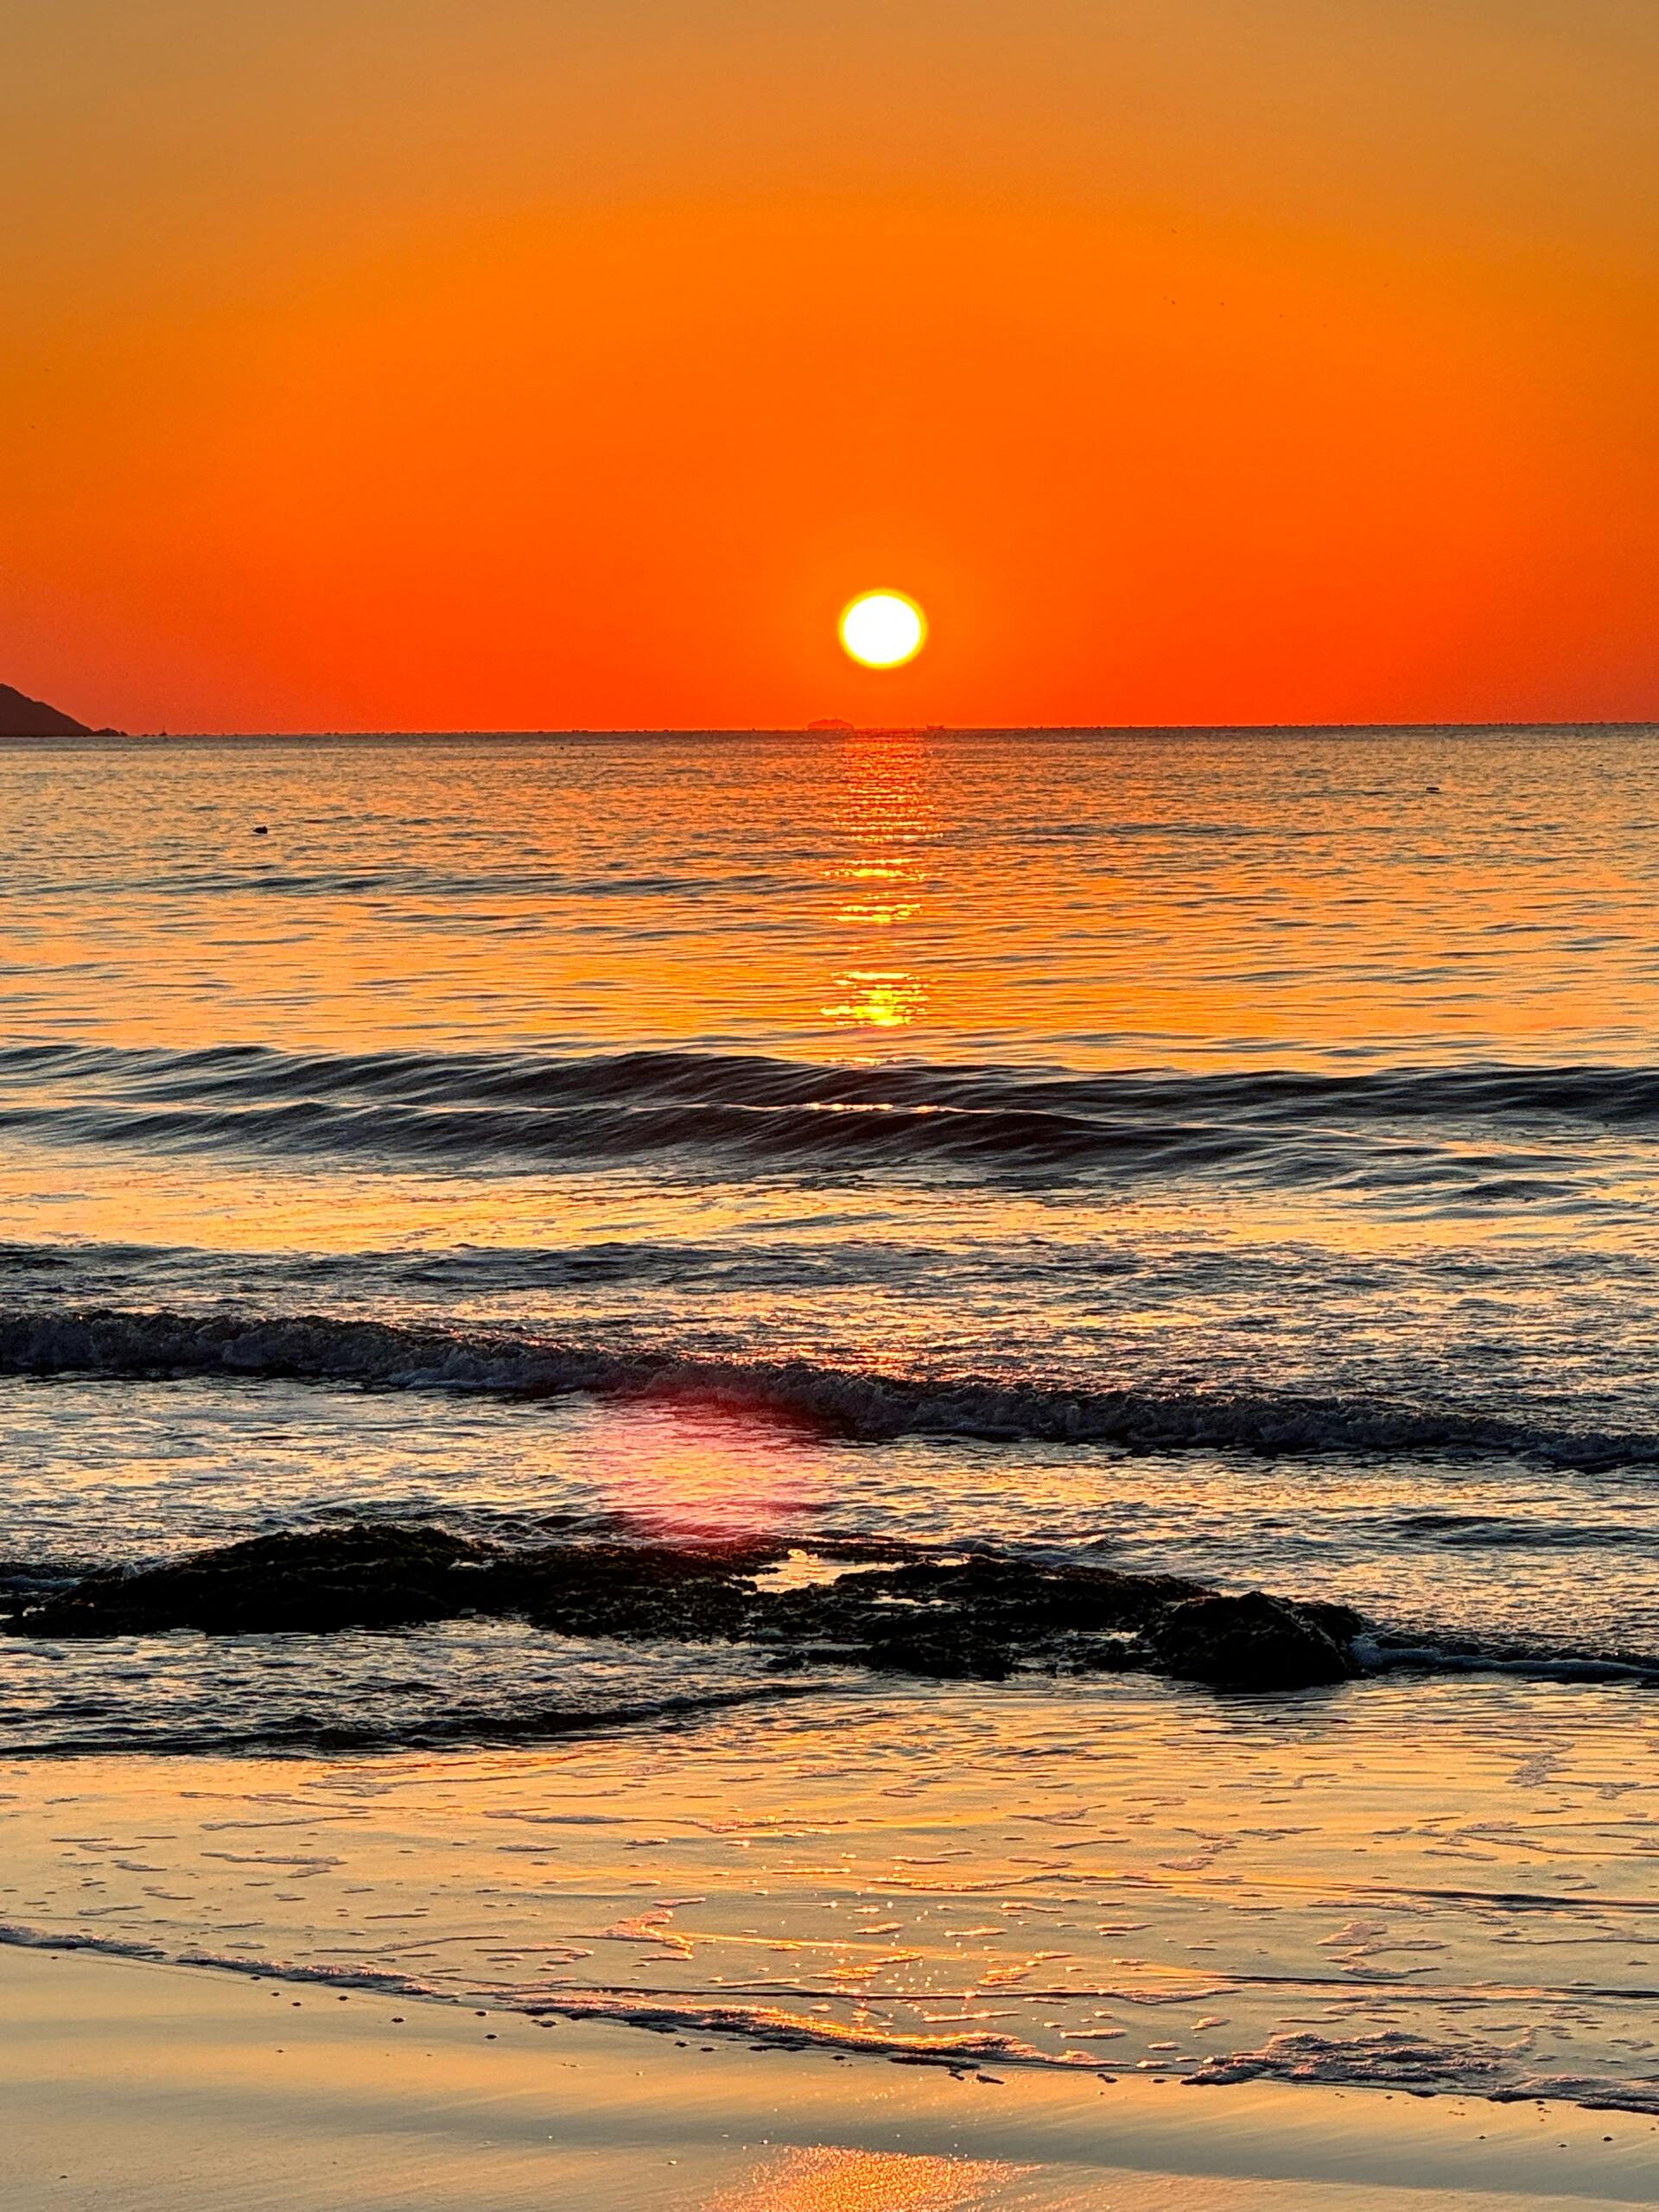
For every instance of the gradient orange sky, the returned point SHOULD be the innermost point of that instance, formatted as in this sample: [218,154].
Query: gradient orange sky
[407,363]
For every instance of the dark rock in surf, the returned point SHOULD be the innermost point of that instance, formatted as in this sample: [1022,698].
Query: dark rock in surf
[1004,1603]
[310,1581]
[1342,1623]
[316,1581]
[675,1593]
[1252,1642]
[978,1617]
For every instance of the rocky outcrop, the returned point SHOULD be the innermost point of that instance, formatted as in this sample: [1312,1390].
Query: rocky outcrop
[1254,1642]
[21,716]
[980,1617]
[316,1580]
[304,1580]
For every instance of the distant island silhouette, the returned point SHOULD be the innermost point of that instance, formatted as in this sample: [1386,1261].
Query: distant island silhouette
[21,716]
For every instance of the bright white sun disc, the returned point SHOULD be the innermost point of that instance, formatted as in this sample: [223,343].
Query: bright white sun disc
[883,628]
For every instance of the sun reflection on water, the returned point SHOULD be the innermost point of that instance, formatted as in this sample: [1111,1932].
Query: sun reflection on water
[879,998]
[886,819]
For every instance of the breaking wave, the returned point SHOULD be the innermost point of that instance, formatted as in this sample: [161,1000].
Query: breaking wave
[856,1404]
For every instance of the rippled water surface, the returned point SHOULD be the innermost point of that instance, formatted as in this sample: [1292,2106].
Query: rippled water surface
[1225,1152]
[1127,1879]
[1203,900]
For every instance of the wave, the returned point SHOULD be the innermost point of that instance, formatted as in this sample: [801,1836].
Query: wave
[474,1136]
[250,1073]
[1480,1128]
[1405,1653]
[855,1404]
[776,2028]
[303,1735]
[1501,1532]
[15,1936]
[1394,2058]
[94,1269]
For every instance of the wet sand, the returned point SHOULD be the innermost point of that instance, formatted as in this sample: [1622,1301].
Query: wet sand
[128,2086]
[1396,1886]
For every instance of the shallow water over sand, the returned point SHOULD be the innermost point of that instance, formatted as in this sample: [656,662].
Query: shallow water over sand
[1447,1886]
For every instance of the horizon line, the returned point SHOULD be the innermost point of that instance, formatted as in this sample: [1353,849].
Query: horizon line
[834,727]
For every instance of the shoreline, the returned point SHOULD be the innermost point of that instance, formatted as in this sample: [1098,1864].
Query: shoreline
[128,2085]
[1118,1879]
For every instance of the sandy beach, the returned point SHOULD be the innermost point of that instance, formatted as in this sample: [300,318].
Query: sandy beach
[128,2086]
[826,1970]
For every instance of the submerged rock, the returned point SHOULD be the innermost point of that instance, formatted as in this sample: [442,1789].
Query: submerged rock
[314,1581]
[1254,1642]
[975,1617]
[306,1580]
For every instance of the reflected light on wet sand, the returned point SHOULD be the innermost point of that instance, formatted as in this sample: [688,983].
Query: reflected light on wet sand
[832,2180]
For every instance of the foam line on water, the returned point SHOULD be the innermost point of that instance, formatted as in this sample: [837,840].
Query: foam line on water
[855,1404]
[1392,2059]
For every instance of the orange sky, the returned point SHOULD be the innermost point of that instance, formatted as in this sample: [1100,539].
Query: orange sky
[418,364]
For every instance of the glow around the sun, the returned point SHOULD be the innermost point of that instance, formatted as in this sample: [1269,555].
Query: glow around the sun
[883,629]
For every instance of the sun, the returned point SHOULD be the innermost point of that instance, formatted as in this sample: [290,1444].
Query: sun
[883,629]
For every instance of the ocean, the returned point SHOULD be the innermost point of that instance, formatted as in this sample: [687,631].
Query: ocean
[1224,1154]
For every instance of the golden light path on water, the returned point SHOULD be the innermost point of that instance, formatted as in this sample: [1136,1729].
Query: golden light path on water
[886,822]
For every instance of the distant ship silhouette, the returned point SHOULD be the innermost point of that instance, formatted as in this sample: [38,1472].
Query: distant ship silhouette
[832,721]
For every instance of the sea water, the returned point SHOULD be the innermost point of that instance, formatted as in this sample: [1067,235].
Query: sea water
[1230,1153]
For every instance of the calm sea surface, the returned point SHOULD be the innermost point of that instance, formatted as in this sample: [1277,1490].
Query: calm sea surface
[1226,1152]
